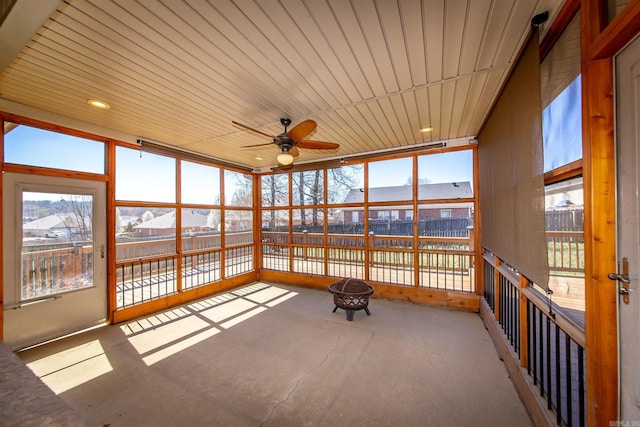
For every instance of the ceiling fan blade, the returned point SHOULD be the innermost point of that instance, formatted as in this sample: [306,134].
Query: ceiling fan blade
[301,130]
[257,145]
[252,129]
[317,145]
[294,152]
[282,168]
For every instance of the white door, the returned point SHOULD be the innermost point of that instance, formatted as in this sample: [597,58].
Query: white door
[628,183]
[54,268]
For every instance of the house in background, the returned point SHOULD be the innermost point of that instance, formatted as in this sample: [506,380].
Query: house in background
[442,192]
[51,226]
[129,221]
[192,222]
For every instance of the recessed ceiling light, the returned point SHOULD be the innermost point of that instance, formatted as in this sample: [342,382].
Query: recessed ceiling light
[259,158]
[426,129]
[98,104]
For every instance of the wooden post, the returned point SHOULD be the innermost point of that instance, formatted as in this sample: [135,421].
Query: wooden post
[601,318]
[524,324]
[478,253]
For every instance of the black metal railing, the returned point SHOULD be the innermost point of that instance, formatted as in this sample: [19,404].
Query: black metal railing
[238,260]
[199,269]
[554,350]
[490,285]
[557,365]
[509,313]
[141,281]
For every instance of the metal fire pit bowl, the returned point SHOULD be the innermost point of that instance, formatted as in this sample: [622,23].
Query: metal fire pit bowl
[351,295]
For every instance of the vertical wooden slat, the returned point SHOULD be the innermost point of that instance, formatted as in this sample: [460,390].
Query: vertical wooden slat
[416,225]
[290,248]
[367,246]
[325,227]
[532,364]
[600,222]
[111,228]
[257,222]
[178,269]
[223,252]
[477,229]
[524,325]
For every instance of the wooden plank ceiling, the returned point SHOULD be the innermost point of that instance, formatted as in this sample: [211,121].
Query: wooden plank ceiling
[371,73]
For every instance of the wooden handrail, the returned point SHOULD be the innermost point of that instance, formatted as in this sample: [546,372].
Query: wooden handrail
[568,326]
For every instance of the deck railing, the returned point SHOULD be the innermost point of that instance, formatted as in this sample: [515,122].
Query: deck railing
[566,252]
[549,347]
[143,280]
[154,274]
[56,268]
[442,262]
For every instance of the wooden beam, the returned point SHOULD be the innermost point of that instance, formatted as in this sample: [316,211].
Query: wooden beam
[600,222]
[257,221]
[477,226]
[622,30]
[111,230]
[563,173]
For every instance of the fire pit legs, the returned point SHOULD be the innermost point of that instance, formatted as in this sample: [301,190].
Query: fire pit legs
[351,312]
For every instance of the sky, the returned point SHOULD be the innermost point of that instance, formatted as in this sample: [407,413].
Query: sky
[455,166]
[562,128]
[31,146]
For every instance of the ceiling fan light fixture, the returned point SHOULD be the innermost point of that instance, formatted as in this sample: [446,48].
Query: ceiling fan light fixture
[285,159]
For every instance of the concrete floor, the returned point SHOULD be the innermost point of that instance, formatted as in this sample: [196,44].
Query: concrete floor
[275,355]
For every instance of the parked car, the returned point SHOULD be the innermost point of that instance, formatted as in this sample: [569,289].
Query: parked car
[55,234]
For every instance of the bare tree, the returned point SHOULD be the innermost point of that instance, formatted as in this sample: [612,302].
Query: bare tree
[421,181]
[309,188]
[147,216]
[341,180]
[275,192]
[78,214]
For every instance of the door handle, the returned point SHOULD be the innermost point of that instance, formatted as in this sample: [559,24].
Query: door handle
[623,280]
[620,277]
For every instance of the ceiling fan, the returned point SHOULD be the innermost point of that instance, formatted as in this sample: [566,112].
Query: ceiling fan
[289,141]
